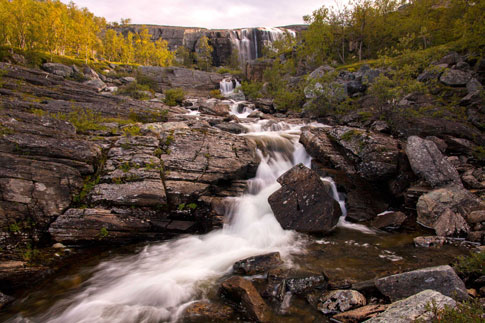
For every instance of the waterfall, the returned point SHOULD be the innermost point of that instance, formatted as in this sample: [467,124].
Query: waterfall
[228,85]
[250,42]
[160,281]
[343,223]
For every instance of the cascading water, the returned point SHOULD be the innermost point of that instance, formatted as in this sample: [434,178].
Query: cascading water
[159,282]
[228,85]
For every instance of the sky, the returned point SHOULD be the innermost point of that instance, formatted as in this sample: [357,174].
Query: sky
[205,13]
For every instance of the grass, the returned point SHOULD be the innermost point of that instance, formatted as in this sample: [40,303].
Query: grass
[466,312]
[473,264]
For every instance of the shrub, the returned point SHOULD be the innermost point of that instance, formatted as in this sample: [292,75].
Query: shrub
[466,312]
[471,265]
[136,91]
[216,94]
[174,96]
[252,90]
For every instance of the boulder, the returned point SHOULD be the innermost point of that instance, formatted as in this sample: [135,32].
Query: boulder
[243,291]
[450,224]
[429,163]
[432,205]
[232,127]
[360,314]
[473,86]
[442,279]
[338,301]
[58,69]
[455,78]
[414,308]
[257,264]
[320,72]
[302,203]
[96,84]
[207,312]
[389,220]
[219,109]
[476,217]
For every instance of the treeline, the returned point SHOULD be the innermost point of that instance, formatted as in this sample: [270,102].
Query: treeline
[368,29]
[60,29]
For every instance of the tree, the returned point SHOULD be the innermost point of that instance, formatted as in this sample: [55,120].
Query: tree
[204,53]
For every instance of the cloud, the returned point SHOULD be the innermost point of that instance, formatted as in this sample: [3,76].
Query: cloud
[205,13]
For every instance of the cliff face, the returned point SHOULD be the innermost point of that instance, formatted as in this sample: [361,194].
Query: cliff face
[248,42]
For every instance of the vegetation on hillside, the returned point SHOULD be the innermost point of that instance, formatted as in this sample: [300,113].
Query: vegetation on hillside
[59,29]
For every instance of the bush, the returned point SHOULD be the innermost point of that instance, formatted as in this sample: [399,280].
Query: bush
[471,265]
[136,90]
[466,312]
[174,96]
[252,90]
[216,94]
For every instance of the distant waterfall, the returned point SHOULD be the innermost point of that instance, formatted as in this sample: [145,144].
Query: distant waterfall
[251,41]
[228,85]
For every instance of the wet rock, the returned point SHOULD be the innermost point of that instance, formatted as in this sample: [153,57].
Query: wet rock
[146,193]
[337,301]
[92,225]
[207,312]
[450,224]
[257,264]
[374,154]
[442,279]
[455,77]
[428,162]
[360,314]
[281,283]
[414,308]
[232,127]
[302,203]
[243,291]
[58,69]
[429,242]
[432,205]
[389,221]
[4,300]
[219,109]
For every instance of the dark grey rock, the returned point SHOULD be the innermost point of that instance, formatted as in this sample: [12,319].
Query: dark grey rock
[442,279]
[338,301]
[58,69]
[389,221]
[257,264]
[455,78]
[302,203]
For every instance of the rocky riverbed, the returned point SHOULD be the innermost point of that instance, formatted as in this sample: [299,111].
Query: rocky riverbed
[315,215]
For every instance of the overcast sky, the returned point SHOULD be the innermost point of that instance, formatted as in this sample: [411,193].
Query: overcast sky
[205,13]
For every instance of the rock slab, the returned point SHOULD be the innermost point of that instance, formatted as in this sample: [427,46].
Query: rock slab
[258,264]
[442,279]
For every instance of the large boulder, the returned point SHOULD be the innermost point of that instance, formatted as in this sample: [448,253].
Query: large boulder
[414,308]
[450,224]
[257,264]
[431,206]
[455,77]
[428,162]
[244,292]
[304,203]
[442,279]
[58,69]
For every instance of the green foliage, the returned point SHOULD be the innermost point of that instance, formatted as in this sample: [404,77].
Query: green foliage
[252,90]
[136,91]
[131,131]
[472,264]
[467,312]
[4,130]
[204,53]
[14,227]
[89,184]
[84,120]
[479,153]
[174,96]
[103,233]
[349,135]
[216,94]
[183,206]
[184,57]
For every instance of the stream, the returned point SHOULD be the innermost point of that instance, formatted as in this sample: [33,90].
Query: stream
[155,282]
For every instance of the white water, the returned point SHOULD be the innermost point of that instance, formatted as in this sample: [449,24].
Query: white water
[159,282]
[227,86]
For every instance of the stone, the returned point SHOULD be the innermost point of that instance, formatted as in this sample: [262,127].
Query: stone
[58,69]
[355,87]
[429,242]
[96,84]
[221,110]
[58,246]
[473,86]
[414,308]
[338,301]
[90,74]
[450,224]
[432,205]
[128,79]
[455,78]
[360,314]
[476,217]
[429,163]
[320,72]
[257,264]
[442,279]
[243,291]
[4,300]
[302,203]
[389,220]
[207,312]
[450,59]
[146,193]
